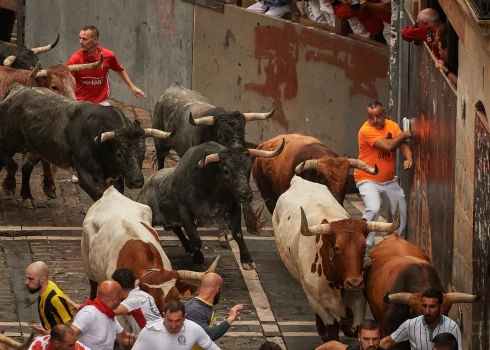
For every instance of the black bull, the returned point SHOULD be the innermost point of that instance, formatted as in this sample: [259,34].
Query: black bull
[195,121]
[207,187]
[22,57]
[99,142]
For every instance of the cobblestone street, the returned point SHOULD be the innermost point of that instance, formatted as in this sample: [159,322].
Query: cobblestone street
[275,306]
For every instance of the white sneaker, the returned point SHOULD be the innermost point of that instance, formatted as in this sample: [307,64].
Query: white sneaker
[74,179]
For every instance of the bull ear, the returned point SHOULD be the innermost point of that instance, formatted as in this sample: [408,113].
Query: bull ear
[186,288]
[137,123]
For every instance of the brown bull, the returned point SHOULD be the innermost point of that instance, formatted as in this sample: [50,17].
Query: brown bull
[307,157]
[59,80]
[402,269]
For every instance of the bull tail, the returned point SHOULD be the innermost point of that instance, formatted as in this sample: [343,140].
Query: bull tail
[254,220]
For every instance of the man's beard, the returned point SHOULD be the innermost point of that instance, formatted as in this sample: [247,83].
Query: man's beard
[372,347]
[34,290]
[216,298]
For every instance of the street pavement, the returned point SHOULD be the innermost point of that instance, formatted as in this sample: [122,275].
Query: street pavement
[275,306]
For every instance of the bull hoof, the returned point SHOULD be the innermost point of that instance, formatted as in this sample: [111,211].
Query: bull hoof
[345,326]
[50,191]
[8,187]
[29,203]
[222,237]
[197,257]
[247,266]
[225,237]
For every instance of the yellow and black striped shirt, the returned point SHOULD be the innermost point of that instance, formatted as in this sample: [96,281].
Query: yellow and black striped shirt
[53,308]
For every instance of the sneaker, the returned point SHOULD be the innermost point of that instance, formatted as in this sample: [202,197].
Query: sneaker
[74,179]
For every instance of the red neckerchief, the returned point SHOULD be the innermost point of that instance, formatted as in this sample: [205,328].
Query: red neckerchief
[99,305]
[138,317]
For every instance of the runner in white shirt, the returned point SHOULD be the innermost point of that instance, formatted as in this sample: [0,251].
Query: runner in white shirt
[96,325]
[175,332]
[421,330]
[138,306]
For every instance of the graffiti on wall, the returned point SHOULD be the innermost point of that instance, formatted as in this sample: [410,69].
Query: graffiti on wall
[165,14]
[278,50]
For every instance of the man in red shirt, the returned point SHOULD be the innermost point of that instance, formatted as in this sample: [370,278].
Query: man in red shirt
[426,19]
[93,85]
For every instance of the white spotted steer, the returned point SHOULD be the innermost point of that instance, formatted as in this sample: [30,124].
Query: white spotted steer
[326,258]
[117,233]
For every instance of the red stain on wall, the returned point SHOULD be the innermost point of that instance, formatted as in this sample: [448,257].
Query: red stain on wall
[278,50]
[165,12]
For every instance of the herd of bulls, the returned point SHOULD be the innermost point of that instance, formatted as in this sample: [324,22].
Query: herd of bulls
[302,182]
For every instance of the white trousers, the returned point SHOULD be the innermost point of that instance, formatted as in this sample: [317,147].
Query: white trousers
[272,11]
[104,103]
[391,193]
[320,11]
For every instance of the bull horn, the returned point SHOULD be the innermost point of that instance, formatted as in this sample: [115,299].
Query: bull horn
[87,66]
[42,73]
[359,164]
[206,159]
[106,136]
[204,121]
[12,343]
[43,49]
[34,72]
[9,60]
[323,229]
[454,298]
[306,165]
[398,298]
[267,154]
[159,134]
[249,117]
[375,226]
[192,275]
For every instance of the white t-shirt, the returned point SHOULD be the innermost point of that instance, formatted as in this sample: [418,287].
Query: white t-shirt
[420,336]
[98,330]
[143,304]
[156,336]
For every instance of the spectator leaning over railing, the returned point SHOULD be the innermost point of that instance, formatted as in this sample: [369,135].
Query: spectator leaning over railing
[273,8]
[433,40]
[322,11]
[367,20]
[443,63]
[427,23]
[381,9]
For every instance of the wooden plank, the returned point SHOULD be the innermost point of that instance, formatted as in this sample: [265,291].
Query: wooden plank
[9,4]
[431,196]
[481,232]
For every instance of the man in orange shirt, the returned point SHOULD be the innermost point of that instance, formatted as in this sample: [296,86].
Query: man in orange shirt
[378,141]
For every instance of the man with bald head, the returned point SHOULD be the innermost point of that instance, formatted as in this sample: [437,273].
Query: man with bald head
[200,308]
[427,23]
[96,325]
[62,337]
[52,306]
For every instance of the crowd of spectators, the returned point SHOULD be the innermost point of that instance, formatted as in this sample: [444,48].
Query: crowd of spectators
[371,19]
